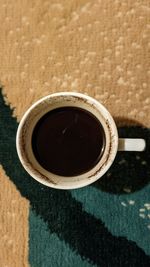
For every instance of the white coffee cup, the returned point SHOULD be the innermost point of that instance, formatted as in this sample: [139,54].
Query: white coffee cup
[113,143]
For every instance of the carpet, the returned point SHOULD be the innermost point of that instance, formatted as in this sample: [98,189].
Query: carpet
[99,48]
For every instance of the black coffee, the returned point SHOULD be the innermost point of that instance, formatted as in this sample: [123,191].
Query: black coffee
[68,141]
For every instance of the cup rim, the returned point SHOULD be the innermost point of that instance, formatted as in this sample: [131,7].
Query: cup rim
[113,139]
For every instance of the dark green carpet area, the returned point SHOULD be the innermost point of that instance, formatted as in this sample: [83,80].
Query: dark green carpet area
[99,225]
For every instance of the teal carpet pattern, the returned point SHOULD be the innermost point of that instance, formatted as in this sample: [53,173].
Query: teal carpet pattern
[106,224]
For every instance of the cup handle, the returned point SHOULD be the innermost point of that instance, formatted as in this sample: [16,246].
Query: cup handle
[131,144]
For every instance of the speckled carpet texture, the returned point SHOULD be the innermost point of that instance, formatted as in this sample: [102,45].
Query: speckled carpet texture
[99,48]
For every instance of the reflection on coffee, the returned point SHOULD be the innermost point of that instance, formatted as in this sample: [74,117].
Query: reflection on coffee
[68,141]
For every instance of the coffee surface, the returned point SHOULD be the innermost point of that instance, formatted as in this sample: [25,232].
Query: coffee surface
[68,141]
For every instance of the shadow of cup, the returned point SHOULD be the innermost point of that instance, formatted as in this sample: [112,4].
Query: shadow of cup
[130,171]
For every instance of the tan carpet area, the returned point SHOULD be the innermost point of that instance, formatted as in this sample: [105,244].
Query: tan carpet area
[95,47]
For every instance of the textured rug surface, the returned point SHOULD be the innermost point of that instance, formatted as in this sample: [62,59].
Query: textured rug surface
[99,48]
